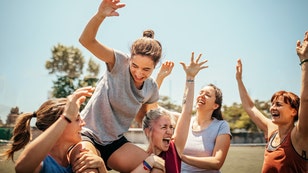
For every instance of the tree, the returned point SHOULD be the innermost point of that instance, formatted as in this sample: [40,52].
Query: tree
[65,60]
[67,64]
[239,119]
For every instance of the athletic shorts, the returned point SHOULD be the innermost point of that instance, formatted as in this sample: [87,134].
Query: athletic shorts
[106,150]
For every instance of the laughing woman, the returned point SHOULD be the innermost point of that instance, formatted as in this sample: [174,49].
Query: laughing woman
[286,132]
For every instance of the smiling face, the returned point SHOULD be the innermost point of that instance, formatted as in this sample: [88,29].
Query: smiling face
[141,68]
[72,133]
[206,99]
[282,113]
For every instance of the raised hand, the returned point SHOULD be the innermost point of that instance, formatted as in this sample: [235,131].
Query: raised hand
[166,69]
[109,7]
[302,48]
[239,70]
[75,100]
[194,67]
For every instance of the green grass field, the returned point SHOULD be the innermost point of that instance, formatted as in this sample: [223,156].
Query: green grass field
[240,159]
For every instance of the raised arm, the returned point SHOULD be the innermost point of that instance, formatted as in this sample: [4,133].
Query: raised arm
[255,115]
[302,52]
[182,126]
[32,156]
[87,39]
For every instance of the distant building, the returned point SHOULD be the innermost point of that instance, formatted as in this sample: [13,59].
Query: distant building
[12,116]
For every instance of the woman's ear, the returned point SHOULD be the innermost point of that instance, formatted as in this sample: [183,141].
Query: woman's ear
[216,106]
[147,132]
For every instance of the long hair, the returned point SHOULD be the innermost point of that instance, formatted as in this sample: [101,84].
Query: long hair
[45,116]
[218,94]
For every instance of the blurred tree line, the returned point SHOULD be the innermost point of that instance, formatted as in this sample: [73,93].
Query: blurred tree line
[67,64]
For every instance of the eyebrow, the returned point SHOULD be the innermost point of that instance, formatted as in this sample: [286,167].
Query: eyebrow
[145,68]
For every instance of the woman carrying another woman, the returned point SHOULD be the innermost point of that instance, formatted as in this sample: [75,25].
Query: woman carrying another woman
[60,121]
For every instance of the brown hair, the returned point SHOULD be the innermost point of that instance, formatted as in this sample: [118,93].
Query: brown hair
[218,94]
[289,98]
[46,115]
[147,46]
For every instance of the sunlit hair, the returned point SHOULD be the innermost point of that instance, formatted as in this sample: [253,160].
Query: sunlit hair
[46,115]
[147,46]
[289,98]
[218,95]
[154,114]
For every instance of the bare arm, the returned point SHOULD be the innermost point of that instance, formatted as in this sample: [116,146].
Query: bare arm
[302,52]
[87,38]
[32,156]
[182,126]
[155,162]
[256,116]
[214,162]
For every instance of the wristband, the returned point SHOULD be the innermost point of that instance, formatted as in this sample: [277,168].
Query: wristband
[190,80]
[146,166]
[66,118]
[303,61]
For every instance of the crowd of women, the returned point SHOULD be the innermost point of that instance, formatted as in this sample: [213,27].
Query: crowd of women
[93,140]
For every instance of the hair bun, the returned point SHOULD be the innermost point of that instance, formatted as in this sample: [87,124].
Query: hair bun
[148,33]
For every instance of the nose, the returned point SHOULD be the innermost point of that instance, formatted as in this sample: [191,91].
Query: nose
[139,73]
[82,122]
[169,130]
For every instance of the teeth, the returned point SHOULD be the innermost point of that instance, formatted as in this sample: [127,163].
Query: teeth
[275,115]
[166,139]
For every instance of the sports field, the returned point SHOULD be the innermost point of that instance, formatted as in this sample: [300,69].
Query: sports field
[240,159]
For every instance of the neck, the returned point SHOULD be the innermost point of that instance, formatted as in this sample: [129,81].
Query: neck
[204,117]
[59,153]
[284,130]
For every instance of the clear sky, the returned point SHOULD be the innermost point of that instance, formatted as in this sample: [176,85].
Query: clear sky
[262,33]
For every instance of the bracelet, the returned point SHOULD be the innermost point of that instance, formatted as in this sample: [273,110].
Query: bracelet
[66,118]
[302,62]
[190,80]
[146,166]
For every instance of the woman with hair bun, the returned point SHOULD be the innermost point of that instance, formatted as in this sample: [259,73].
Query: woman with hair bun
[120,93]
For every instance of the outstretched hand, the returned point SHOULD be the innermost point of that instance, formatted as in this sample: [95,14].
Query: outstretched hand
[75,100]
[109,7]
[166,69]
[194,67]
[239,70]
[302,48]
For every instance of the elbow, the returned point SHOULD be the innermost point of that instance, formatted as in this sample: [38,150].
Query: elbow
[19,168]
[217,165]
[83,41]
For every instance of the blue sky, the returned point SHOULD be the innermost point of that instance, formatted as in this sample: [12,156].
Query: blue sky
[262,33]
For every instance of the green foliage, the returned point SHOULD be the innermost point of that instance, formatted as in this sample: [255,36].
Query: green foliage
[235,115]
[6,133]
[238,118]
[165,102]
[67,63]
[66,60]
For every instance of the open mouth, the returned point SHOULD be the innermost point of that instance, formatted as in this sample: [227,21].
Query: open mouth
[201,101]
[275,114]
[166,140]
